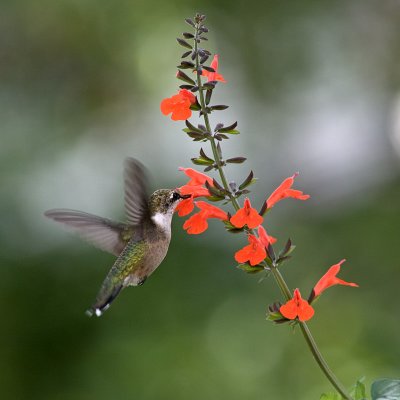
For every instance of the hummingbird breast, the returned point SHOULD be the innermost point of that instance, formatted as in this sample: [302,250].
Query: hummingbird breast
[155,245]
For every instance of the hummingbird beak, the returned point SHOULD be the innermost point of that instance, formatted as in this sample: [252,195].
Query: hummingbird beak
[185,196]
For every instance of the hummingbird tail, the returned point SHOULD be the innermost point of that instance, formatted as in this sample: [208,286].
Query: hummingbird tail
[102,304]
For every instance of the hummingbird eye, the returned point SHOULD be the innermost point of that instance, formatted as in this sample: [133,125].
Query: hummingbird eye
[175,196]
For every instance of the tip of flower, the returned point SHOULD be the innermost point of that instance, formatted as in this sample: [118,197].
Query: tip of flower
[297,173]
[342,261]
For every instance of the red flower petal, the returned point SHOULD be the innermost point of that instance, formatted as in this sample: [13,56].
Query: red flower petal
[188,95]
[214,76]
[289,309]
[178,105]
[297,308]
[284,190]
[185,207]
[196,224]
[330,279]
[246,216]
[212,211]
[196,177]
[254,252]
[264,238]
[194,190]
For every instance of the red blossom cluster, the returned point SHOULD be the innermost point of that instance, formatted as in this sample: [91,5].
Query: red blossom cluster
[247,216]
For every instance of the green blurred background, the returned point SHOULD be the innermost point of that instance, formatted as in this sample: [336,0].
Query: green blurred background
[315,88]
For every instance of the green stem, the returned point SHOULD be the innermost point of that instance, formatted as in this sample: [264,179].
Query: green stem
[310,340]
[276,273]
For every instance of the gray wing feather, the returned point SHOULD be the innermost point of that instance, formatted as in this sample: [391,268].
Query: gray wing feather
[136,195]
[103,233]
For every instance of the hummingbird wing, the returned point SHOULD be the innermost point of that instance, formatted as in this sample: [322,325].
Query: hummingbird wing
[101,232]
[136,196]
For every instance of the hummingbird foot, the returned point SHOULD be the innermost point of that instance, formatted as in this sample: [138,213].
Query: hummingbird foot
[142,281]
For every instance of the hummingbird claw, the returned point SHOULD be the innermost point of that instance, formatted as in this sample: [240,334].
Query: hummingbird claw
[140,283]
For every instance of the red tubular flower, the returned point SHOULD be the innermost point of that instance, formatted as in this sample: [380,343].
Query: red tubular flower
[196,178]
[246,216]
[178,105]
[254,252]
[264,238]
[285,190]
[328,280]
[297,308]
[195,187]
[197,223]
[214,76]
[185,207]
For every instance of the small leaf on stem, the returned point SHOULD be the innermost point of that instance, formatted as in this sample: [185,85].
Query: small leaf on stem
[236,160]
[248,181]
[190,22]
[184,43]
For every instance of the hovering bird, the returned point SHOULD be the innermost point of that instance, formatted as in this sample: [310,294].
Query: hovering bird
[140,244]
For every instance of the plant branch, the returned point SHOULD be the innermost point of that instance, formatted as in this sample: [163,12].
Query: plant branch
[274,269]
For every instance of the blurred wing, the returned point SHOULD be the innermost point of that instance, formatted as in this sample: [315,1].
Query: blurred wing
[136,196]
[103,233]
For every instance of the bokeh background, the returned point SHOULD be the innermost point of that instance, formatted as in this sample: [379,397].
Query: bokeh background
[315,88]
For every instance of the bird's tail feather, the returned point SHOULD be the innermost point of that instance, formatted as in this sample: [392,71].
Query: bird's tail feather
[103,302]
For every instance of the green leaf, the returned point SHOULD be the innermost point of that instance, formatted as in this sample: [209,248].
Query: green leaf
[248,181]
[208,96]
[215,198]
[183,77]
[209,85]
[201,161]
[358,391]
[186,65]
[220,136]
[250,269]
[233,132]
[227,129]
[218,107]
[209,69]
[274,316]
[230,228]
[184,43]
[188,35]
[186,53]
[385,389]
[215,191]
[236,160]
[192,127]
[190,22]
[196,135]
[204,155]
[195,107]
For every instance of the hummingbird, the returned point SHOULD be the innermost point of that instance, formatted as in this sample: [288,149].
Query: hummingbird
[140,244]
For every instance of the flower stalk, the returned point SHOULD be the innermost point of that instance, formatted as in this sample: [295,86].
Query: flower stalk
[259,254]
[276,273]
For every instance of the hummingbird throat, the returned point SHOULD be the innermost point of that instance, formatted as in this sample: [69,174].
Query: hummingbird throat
[163,220]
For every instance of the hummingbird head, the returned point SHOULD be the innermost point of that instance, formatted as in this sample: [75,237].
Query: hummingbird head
[162,205]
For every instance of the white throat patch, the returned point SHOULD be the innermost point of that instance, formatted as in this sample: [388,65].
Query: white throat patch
[163,221]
